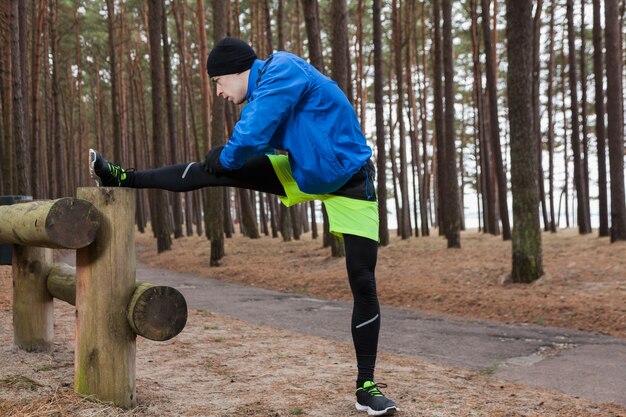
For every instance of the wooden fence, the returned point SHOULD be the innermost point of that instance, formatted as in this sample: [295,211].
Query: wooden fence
[111,307]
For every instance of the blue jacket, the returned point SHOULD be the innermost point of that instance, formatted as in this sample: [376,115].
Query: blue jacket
[293,107]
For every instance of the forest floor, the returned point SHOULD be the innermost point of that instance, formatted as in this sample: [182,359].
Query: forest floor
[213,367]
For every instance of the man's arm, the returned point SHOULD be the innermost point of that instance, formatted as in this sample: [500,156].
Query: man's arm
[279,90]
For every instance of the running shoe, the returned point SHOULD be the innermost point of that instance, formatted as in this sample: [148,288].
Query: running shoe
[105,173]
[370,399]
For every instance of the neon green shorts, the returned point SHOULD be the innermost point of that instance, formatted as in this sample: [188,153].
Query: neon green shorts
[345,215]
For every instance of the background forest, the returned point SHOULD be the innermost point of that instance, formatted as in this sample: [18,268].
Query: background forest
[507,117]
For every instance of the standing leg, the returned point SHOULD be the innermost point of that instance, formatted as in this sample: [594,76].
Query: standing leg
[361,254]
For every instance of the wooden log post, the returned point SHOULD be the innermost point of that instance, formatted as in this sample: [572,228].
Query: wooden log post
[32,304]
[104,354]
[155,312]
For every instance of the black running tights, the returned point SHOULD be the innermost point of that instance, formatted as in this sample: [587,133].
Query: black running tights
[361,253]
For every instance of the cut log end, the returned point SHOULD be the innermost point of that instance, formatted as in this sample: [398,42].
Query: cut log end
[72,223]
[157,312]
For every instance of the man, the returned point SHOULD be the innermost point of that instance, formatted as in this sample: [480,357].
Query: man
[291,107]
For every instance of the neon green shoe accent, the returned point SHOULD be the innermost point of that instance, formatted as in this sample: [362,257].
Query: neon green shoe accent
[371,388]
[118,173]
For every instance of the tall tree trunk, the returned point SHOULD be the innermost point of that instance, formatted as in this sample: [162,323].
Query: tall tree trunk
[35,136]
[340,51]
[313,30]
[439,142]
[269,45]
[175,198]
[615,113]
[7,167]
[583,114]
[19,122]
[280,22]
[526,237]
[425,192]
[204,81]
[452,209]
[537,110]
[598,71]
[248,219]
[486,167]
[493,120]
[582,215]
[380,124]
[216,200]
[62,167]
[550,110]
[178,9]
[413,113]
[404,225]
[565,191]
[160,221]
[115,94]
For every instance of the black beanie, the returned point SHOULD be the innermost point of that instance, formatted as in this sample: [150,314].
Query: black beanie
[230,56]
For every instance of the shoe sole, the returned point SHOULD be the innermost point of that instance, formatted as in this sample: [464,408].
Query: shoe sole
[92,169]
[370,412]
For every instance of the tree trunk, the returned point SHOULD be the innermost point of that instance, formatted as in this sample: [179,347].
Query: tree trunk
[313,30]
[35,137]
[583,114]
[485,183]
[439,141]
[7,161]
[175,198]
[160,220]
[615,113]
[598,71]
[413,114]
[582,216]
[179,16]
[248,219]
[526,237]
[550,110]
[216,199]
[494,123]
[381,162]
[115,94]
[404,224]
[452,209]
[19,118]
[425,192]
[537,110]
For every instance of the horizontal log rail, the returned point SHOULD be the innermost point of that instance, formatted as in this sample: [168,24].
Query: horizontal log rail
[156,312]
[66,223]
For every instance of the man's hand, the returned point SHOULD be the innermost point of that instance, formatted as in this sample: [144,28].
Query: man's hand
[212,161]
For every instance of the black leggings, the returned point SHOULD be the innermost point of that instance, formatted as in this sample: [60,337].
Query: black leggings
[361,253]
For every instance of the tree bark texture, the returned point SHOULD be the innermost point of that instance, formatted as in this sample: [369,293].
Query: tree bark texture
[526,236]
[615,112]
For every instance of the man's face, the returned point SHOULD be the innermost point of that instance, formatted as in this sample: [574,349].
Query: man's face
[232,87]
